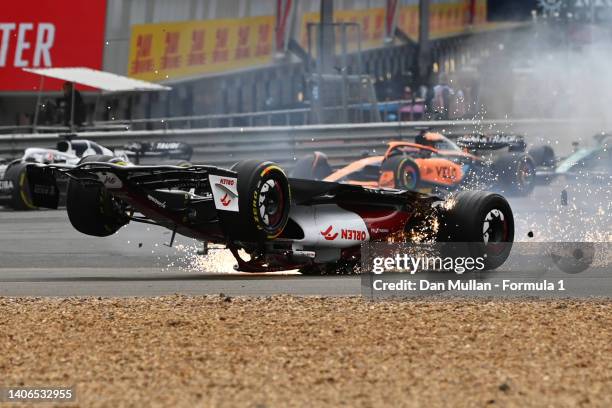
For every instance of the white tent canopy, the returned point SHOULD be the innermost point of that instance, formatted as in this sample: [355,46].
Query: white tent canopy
[98,79]
[93,78]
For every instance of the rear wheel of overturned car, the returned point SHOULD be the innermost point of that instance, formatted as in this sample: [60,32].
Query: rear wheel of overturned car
[17,175]
[482,222]
[400,172]
[516,173]
[264,200]
[91,209]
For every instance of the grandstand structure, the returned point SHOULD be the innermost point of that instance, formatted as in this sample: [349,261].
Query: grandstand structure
[238,56]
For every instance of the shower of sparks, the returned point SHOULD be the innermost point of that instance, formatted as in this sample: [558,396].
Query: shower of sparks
[187,259]
[587,217]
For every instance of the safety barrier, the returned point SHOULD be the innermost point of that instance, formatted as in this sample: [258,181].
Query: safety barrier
[387,111]
[342,143]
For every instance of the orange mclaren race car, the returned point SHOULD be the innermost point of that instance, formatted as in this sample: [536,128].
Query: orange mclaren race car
[434,163]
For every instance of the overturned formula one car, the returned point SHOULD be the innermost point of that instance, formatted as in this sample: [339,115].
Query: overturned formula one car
[281,224]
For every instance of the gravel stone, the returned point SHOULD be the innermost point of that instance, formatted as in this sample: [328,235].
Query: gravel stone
[303,351]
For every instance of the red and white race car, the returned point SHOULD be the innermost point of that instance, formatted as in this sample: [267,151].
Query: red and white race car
[315,226]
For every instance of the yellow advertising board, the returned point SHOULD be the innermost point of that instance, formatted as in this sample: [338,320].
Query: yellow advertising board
[371,21]
[445,19]
[165,51]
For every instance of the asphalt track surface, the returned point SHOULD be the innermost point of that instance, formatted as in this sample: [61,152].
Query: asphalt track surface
[42,255]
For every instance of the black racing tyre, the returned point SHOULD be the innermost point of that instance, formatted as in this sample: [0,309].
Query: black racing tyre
[482,220]
[91,209]
[264,200]
[543,155]
[516,173]
[404,170]
[22,200]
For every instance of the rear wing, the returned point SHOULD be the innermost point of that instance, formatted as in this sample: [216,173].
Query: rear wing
[515,143]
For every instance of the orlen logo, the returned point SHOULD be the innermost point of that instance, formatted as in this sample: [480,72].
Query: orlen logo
[227,182]
[328,234]
[353,235]
[347,234]
[225,200]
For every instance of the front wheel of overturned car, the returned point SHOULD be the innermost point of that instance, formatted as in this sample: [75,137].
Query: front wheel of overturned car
[21,197]
[516,173]
[482,223]
[91,209]
[264,200]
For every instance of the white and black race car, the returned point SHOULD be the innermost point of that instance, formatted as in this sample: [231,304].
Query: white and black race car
[14,189]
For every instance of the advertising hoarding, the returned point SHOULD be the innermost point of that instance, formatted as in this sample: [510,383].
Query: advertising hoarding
[48,33]
[166,51]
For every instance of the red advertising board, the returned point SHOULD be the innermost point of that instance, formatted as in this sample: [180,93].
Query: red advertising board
[48,33]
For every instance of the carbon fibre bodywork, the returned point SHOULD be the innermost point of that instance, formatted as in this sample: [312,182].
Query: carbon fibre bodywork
[327,221]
